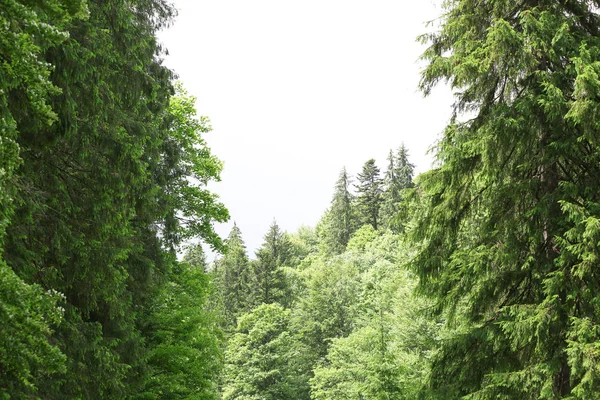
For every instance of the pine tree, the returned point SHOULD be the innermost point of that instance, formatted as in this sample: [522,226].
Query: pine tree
[109,178]
[391,192]
[341,219]
[29,313]
[398,178]
[508,227]
[196,257]
[270,284]
[234,278]
[404,169]
[369,197]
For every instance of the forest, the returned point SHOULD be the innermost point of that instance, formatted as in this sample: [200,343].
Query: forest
[477,279]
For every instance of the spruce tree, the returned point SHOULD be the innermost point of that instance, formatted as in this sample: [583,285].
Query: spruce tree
[270,285]
[341,219]
[195,257]
[369,197]
[398,178]
[508,227]
[234,278]
[391,192]
[404,169]
[109,178]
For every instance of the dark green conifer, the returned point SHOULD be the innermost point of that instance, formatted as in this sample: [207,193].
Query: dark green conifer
[195,257]
[508,230]
[398,177]
[341,220]
[404,170]
[111,178]
[370,189]
[234,278]
[270,284]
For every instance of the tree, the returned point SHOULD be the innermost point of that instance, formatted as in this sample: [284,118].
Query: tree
[404,170]
[234,278]
[341,220]
[326,309]
[398,177]
[28,313]
[112,178]
[27,354]
[195,257]
[369,198]
[391,192]
[185,356]
[269,277]
[508,227]
[261,358]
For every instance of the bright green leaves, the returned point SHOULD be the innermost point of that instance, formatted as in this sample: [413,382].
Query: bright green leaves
[262,358]
[185,355]
[27,315]
[188,167]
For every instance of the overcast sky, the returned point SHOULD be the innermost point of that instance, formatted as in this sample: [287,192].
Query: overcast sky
[296,90]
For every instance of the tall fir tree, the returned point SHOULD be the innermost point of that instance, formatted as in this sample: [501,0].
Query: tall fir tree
[341,220]
[234,278]
[29,313]
[391,192]
[370,189]
[404,169]
[112,177]
[270,282]
[398,178]
[195,257]
[508,229]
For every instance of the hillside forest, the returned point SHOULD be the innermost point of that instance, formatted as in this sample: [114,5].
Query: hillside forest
[477,279]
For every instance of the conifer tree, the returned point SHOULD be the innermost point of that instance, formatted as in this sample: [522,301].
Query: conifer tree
[29,312]
[398,177]
[196,257]
[111,178]
[234,277]
[404,170]
[369,197]
[508,228]
[391,192]
[270,284]
[341,218]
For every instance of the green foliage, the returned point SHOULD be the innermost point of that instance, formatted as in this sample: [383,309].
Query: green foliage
[398,178]
[508,216]
[361,238]
[195,257]
[370,189]
[27,315]
[189,167]
[383,348]
[185,356]
[326,308]
[112,176]
[234,279]
[269,276]
[262,358]
[341,220]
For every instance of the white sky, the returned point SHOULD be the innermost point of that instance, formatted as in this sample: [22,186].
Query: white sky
[296,90]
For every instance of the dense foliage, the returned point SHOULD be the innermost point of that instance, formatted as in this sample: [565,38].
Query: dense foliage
[477,282]
[103,173]
[508,233]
